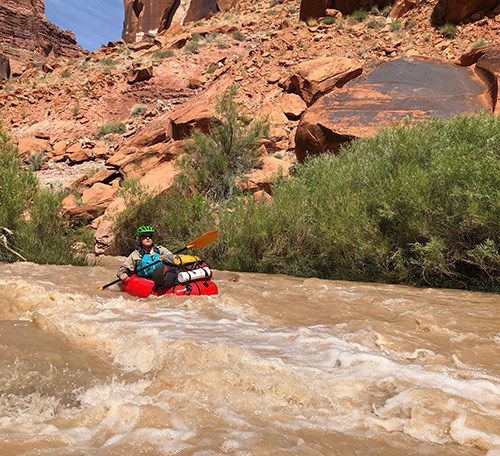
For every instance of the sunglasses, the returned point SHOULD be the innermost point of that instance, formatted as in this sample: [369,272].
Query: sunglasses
[146,236]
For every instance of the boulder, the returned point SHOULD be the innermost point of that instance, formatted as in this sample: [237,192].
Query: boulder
[4,67]
[104,237]
[160,178]
[99,194]
[314,78]
[76,153]
[140,73]
[262,179]
[457,11]
[193,114]
[489,64]
[31,145]
[395,91]
[293,106]
[136,162]
[277,120]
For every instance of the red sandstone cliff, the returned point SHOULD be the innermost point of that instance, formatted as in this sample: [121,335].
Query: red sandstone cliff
[23,25]
[152,16]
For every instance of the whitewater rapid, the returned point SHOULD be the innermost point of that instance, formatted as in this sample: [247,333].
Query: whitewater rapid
[271,365]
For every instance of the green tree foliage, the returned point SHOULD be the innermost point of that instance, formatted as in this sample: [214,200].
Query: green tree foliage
[414,204]
[16,186]
[32,214]
[215,159]
[177,218]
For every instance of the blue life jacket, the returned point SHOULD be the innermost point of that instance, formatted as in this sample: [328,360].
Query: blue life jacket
[147,261]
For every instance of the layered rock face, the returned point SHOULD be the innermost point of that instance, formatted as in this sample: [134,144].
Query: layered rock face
[316,8]
[457,11]
[23,25]
[154,16]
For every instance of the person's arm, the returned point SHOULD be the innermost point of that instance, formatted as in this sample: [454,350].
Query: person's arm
[166,256]
[127,267]
[164,250]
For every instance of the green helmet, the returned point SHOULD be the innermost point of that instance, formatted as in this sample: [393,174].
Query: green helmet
[145,229]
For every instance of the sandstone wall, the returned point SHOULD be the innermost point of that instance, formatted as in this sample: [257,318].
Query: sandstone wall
[143,16]
[23,25]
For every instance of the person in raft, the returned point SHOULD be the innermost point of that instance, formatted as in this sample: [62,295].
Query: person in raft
[149,260]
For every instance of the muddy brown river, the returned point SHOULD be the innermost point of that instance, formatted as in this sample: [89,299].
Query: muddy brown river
[272,365]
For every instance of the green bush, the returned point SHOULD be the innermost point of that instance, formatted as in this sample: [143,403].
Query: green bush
[215,160]
[417,205]
[17,187]
[328,20]
[177,218]
[112,127]
[36,161]
[32,214]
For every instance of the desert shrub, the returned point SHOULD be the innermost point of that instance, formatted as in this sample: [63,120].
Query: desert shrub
[163,54]
[413,204]
[32,214]
[239,36]
[395,25]
[357,16]
[448,30]
[375,23]
[138,109]
[479,43]
[215,159]
[36,161]
[177,218]
[107,63]
[328,20]
[191,47]
[47,237]
[212,68]
[112,127]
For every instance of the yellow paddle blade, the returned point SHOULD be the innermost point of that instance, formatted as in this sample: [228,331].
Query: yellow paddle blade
[203,240]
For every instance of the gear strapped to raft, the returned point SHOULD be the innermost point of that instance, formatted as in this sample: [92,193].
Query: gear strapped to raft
[188,270]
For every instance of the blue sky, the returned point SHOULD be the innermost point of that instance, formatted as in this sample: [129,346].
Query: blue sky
[94,22]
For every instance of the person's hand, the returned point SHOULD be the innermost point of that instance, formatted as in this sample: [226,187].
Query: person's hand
[168,259]
[123,276]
